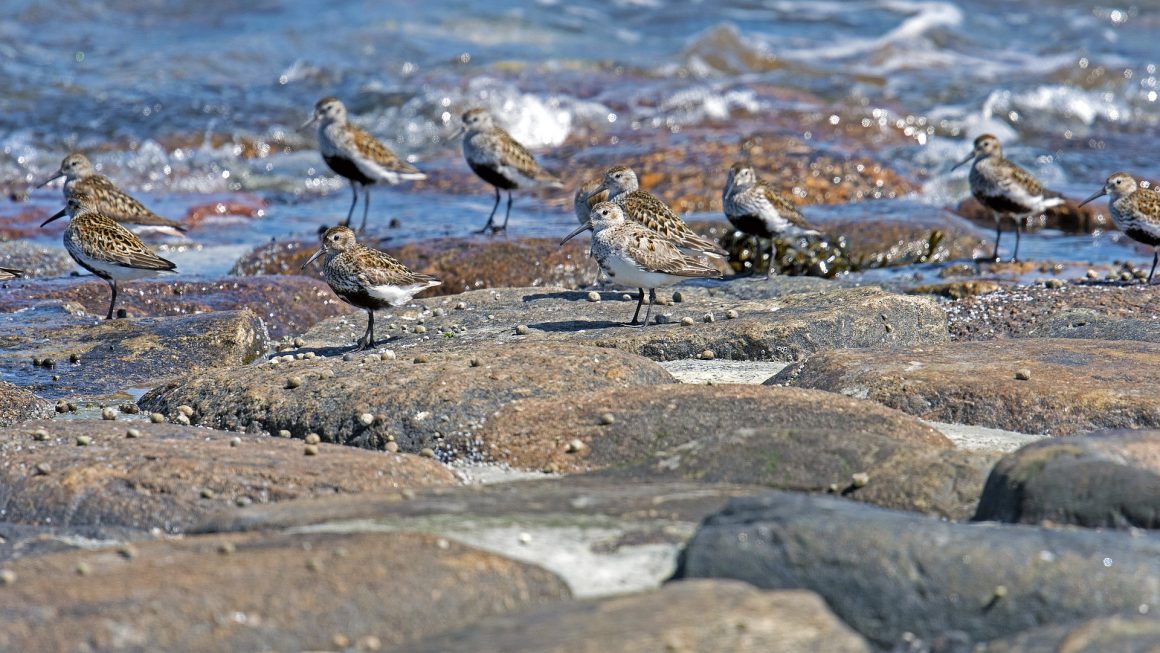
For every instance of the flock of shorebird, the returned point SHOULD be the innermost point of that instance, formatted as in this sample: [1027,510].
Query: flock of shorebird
[637,239]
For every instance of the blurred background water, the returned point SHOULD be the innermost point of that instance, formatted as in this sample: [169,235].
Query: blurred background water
[194,102]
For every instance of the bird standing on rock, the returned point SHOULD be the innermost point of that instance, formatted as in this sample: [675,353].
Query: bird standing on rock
[1135,211]
[753,207]
[1005,188]
[105,248]
[366,278]
[501,161]
[635,256]
[353,153]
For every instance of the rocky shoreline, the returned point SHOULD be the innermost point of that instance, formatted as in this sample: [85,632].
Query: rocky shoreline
[856,454]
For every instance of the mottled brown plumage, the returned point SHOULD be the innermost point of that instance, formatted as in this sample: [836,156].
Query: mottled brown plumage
[642,207]
[1135,211]
[81,177]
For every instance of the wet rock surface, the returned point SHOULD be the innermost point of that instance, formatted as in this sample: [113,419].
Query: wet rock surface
[58,353]
[169,477]
[1059,386]
[699,616]
[290,592]
[18,405]
[887,573]
[1130,633]
[35,260]
[783,328]
[1103,480]
[287,305]
[416,401]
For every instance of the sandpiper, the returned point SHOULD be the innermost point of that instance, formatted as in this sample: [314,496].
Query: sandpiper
[1135,211]
[1005,188]
[353,153]
[366,278]
[80,176]
[636,256]
[753,207]
[584,200]
[105,248]
[501,161]
[10,273]
[646,209]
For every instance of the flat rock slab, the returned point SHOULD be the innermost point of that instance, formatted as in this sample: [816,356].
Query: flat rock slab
[1126,633]
[781,329]
[260,592]
[1093,325]
[603,536]
[114,355]
[171,476]
[697,616]
[1108,479]
[418,404]
[287,305]
[888,573]
[18,405]
[1075,386]
[786,438]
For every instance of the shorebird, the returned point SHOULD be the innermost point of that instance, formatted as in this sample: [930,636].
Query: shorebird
[587,195]
[633,255]
[366,278]
[80,177]
[10,273]
[501,161]
[353,153]
[646,209]
[1135,211]
[105,248]
[756,209]
[1005,188]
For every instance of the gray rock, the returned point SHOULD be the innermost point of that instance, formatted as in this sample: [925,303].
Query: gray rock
[699,616]
[1109,479]
[1087,323]
[18,405]
[419,405]
[35,260]
[782,328]
[888,573]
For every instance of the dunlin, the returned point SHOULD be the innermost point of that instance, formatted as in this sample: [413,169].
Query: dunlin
[589,194]
[635,256]
[1135,211]
[366,278]
[356,155]
[753,207]
[646,209]
[10,273]
[81,177]
[105,248]
[501,161]
[1005,188]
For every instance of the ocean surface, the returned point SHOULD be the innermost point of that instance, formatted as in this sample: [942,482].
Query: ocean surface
[191,103]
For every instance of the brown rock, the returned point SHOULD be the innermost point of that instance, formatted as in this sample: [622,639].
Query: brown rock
[957,289]
[1127,632]
[288,306]
[421,404]
[697,616]
[18,405]
[157,481]
[1075,385]
[286,592]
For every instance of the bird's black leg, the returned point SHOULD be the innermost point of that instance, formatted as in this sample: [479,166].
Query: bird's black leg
[507,216]
[368,339]
[1018,233]
[652,297]
[772,253]
[353,201]
[639,303]
[487,227]
[998,234]
[1155,257]
[366,208]
[113,301]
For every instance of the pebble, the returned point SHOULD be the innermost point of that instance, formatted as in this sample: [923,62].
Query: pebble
[84,440]
[1023,374]
[40,435]
[427,452]
[283,433]
[185,410]
[227,548]
[388,355]
[708,355]
[421,358]
[366,419]
[182,419]
[678,297]
[460,306]
[686,321]
[525,538]
[1092,274]
[860,479]
[522,330]
[392,447]
[731,314]
[83,569]
[310,450]
[299,342]
[607,419]
[7,577]
[130,409]
[156,418]
[420,329]
[312,438]
[369,643]
[438,312]
[128,551]
[61,407]
[74,358]
[707,318]
[575,445]
[107,413]
[1054,284]
[473,362]
[348,357]
[593,296]
[1125,276]
[293,382]
[626,297]
[42,469]
[207,493]
[132,433]
[235,441]
[72,407]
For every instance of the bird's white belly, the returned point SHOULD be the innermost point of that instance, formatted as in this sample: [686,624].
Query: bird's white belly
[397,295]
[627,273]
